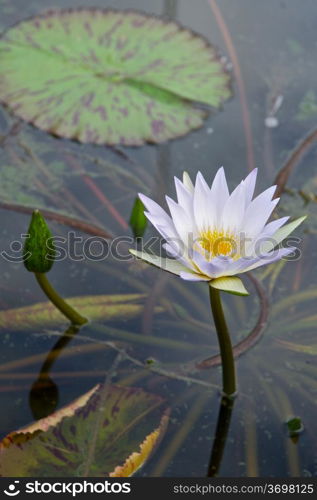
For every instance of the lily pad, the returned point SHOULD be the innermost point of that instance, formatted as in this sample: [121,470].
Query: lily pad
[90,437]
[106,76]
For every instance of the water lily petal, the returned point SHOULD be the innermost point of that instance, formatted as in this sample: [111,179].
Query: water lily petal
[234,209]
[265,241]
[271,228]
[258,212]
[158,217]
[183,224]
[175,247]
[237,266]
[230,284]
[269,258]
[249,182]
[245,264]
[153,207]
[204,211]
[283,233]
[187,182]
[212,268]
[170,265]
[164,226]
[178,252]
[193,276]
[219,192]
[184,197]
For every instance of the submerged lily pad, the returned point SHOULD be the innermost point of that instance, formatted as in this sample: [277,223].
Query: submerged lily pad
[95,307]
[106,76]
[91,437]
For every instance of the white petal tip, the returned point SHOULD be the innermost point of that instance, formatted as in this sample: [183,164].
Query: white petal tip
[144,199]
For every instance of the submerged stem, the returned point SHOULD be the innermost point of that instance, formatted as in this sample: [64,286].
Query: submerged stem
[74,317]
[226,352]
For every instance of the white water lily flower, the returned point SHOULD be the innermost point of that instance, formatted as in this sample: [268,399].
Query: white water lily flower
[213,235]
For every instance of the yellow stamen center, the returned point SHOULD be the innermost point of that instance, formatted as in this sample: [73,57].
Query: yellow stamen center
[218,243]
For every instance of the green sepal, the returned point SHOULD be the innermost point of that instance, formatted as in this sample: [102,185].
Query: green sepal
[230,284]
[39,250]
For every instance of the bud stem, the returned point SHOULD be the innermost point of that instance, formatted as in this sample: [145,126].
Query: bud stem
[70,313]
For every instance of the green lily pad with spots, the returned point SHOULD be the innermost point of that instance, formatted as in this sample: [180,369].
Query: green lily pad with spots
[109,77]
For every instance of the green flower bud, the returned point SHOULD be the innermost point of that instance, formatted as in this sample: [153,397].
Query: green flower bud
[138,221]
[39,251]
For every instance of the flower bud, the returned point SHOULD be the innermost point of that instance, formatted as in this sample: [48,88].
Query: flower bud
[138,221]
[39,251]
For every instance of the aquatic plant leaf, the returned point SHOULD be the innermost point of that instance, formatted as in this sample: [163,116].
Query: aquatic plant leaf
[137,459]
[95,307]
[138,221]
[230,284]
[305,349]
[106,76]
[52,420]
[65,444]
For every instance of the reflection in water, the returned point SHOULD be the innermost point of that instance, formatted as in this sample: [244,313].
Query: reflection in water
[43,397]
[223,424]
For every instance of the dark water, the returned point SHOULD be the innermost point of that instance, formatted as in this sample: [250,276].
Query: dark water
[276,46]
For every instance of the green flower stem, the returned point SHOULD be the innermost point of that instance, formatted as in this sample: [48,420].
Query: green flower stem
[74,317]
[226,352]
